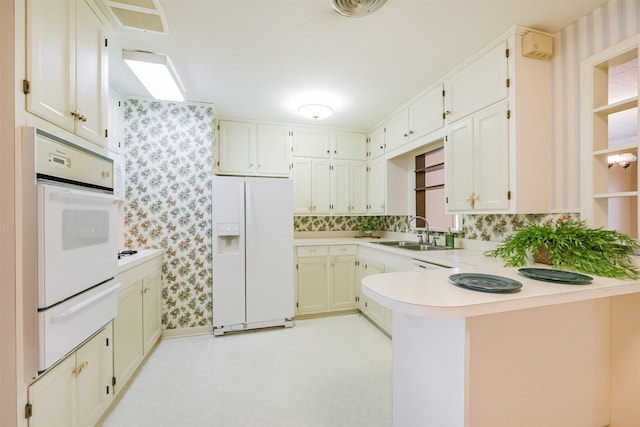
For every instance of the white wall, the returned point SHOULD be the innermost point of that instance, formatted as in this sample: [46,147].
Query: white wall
[604,27]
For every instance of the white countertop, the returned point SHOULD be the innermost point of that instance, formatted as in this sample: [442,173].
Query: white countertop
[429,293]
[134,260]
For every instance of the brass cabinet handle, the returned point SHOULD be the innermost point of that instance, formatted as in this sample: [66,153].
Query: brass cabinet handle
[472,199]
[79,369]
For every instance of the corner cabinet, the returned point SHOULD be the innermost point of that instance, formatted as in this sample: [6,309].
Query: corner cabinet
[497,140]
[253,149]
[66,82]
[138,323]
[609,132]
[78,390]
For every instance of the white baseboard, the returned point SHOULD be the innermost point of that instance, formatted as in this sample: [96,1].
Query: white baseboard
[187,332]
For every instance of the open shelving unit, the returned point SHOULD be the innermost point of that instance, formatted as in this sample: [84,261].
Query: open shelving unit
[429,190]
[609,89]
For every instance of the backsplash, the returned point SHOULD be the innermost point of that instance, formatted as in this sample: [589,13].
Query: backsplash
[477,227]
[168,201]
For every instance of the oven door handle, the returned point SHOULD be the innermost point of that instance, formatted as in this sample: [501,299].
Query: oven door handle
[74,309]
[73,194]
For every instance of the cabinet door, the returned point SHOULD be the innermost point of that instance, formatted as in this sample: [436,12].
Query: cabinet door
[340,187]
[349,145]
[376,143]
[459,163]
[376,186]
[51,60]
[52,396]
[375,311]
[302,176]
[116,122]
[321,186]
[397,131]
[91,76]
[312,279]
[425,114]
[94,360]
[478,85]
[358,187]
[151,315]
[342,290]
[127,334]
[311,142]
[491,158]
[237,144]
[273,150]
[360,273]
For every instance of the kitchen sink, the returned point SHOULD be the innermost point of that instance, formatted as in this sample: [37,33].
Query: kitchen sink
[414,246]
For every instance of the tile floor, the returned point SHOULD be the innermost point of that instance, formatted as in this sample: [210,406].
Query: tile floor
[326,372]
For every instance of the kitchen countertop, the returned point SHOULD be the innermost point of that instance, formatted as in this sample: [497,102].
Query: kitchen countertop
[429,293]
[143,255]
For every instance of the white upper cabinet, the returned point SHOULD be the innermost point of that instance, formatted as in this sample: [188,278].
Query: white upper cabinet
[481,83]
[497,156]
[311,142]
[397,130]
[477,162]
[423,116]
[253,149]
[375,143]
[66,82]
[311,186]
[376,185]
[425,113]
[236,147]
[348,187]
[273,150]
[349,145]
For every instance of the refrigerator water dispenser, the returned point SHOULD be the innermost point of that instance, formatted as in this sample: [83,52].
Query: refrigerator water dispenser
[228,238]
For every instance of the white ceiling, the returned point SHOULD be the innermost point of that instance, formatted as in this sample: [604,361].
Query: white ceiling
[252,57]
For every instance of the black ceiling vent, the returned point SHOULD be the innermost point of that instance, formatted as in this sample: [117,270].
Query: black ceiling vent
[356,8]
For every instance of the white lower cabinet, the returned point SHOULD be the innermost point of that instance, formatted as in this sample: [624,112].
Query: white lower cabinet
[373,310]
[371,261]
[78,390]
[325,278]
[137,326]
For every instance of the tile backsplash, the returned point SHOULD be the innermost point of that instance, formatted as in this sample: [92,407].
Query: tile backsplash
[494,227]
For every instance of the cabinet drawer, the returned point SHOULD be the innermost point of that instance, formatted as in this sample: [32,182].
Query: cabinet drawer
[312,251]
[343,250]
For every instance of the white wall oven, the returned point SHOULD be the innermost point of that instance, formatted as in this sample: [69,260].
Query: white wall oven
[76,217]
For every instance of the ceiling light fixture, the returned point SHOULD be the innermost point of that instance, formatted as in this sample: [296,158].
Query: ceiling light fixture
[622,160]
[356,8]
[155,72]
[315,111]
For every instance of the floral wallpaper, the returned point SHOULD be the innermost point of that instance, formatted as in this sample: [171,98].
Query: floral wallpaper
[168,201]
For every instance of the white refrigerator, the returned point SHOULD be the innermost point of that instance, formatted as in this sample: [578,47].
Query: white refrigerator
[252,253]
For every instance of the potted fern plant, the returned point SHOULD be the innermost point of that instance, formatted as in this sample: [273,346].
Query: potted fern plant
[570,244]
[368,224]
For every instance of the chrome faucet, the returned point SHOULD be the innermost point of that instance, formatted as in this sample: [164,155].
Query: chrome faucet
[420,241]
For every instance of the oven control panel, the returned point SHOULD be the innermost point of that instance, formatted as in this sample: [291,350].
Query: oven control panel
[59,160]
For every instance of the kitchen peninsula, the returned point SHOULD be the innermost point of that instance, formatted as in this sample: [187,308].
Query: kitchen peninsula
[550,354]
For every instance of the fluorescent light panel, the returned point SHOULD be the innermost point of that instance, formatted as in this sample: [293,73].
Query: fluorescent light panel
[156,73]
